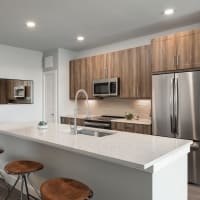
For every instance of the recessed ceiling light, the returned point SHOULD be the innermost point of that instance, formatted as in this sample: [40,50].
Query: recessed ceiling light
[30,24]
[169,11]
[80,38]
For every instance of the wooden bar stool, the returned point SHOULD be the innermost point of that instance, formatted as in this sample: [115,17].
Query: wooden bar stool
[65,189]
[23,169]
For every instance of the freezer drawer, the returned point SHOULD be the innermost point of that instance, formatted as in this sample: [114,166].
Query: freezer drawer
[194,164]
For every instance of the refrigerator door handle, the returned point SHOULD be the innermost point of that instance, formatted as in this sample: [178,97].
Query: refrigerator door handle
[176,106]
[172,118]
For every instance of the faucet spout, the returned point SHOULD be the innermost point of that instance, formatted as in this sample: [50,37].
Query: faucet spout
[76,107]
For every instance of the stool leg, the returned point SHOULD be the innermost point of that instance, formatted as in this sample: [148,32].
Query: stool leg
[22,188]
[24,177]
[36,191]
[13,187]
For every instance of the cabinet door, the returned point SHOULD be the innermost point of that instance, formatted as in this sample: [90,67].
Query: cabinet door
[144,72]
[74,77]
[3,91]
[113,64]
[130,127]
[136,73]
[78,77]
[70,120]
[188,49]
[164,53]
[99,67]
[129,79]
[89,77]
[83,77]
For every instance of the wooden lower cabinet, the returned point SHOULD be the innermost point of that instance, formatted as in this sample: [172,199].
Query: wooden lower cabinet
[119,126]
[130,127]
[70,120]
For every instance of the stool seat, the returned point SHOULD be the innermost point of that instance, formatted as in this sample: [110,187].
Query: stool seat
[23,167]
[64,189]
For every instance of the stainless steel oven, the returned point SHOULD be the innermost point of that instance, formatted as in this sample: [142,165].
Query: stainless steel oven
[106,87]
[103,122]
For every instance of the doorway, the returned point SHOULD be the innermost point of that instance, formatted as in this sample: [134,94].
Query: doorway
[50,112]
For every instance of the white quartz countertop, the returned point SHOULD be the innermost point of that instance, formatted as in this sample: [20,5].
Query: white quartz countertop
[128,149]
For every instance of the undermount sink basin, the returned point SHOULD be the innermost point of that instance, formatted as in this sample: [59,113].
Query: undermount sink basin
[93,133]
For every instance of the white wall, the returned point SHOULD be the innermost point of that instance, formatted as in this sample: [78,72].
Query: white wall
[18,63]
[65,105]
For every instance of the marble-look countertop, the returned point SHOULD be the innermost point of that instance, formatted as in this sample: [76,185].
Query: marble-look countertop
[133,150]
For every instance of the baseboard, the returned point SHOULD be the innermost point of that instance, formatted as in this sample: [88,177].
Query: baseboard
[10,179]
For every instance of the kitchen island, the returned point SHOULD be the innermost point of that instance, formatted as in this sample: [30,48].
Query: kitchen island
[120,166]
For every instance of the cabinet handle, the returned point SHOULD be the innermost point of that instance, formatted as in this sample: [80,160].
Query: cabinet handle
[175,60]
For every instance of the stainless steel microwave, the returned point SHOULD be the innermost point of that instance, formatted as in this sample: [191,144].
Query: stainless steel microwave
[106,87]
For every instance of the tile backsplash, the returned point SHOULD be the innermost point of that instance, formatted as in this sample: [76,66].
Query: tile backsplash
[115,106]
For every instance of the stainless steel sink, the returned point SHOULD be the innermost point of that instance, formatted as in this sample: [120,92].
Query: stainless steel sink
[93,133]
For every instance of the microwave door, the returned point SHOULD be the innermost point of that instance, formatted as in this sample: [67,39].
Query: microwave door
[101,89]
[113,88]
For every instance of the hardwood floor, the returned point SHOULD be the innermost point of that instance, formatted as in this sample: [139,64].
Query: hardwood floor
[194,192]
[3,192]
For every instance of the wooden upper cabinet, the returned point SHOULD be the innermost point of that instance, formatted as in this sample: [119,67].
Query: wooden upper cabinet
[89,77]
[71,80]
[144,72]
[3,91]
[164,53]
[99,67]
[188,48]
[176,52]
[136,73]
[78,77]
[132,66]
[126,77]
[113,64]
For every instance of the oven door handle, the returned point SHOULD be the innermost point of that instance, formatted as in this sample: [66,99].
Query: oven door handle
[96,124]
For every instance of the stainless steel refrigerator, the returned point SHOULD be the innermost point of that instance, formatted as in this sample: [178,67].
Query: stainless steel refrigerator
[176,112]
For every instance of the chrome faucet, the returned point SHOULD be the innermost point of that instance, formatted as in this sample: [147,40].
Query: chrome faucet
[76,108]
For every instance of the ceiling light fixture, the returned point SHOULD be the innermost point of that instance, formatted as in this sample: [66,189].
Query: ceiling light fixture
[80,38]
[31,24]
[169,11]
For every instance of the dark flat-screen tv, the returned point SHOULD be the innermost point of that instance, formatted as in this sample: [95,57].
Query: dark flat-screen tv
[15,91]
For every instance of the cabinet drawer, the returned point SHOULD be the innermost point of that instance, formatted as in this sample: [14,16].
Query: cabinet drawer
[129,127]
[70,120]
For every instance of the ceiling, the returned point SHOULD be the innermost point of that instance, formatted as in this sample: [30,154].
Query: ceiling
[100,21]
